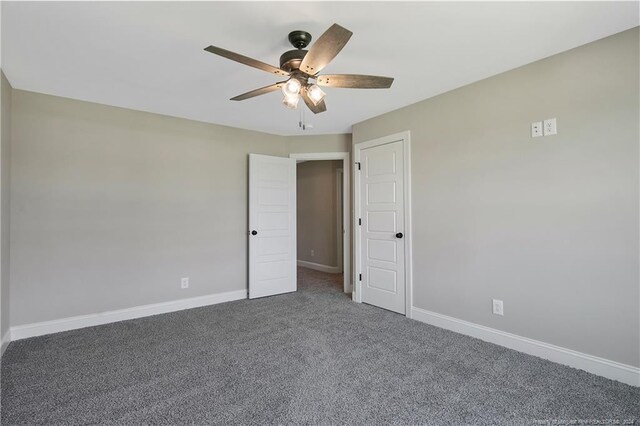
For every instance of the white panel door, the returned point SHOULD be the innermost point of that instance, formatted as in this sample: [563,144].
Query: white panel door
[382,228]
[272,225]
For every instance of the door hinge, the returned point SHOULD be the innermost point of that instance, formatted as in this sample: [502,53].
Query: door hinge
[360,277]
[360,221]
[358,163]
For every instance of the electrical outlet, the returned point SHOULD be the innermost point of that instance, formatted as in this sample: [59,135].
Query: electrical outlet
[498,307]
[550,127]
[313,253]
[184,282]
[536,129]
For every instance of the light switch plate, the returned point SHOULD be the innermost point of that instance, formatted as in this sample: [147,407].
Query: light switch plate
[536,129]
[550,127]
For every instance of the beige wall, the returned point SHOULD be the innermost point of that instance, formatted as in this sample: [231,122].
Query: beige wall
[318,207]
[549,225]
[5,175]
[111,207]
[319,143]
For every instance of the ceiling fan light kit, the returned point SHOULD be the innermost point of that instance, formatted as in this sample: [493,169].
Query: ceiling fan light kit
[302,65]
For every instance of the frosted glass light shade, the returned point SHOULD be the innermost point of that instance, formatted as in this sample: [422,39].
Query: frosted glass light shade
[291,101]
[315,93]
[292,87]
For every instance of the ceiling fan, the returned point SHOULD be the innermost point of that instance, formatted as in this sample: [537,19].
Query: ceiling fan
[302,67]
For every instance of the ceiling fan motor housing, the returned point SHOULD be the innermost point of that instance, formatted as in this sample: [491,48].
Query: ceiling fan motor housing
[290,60]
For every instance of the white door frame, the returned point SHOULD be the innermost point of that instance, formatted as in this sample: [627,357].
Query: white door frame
[340,219]
[346,198]
[405,137]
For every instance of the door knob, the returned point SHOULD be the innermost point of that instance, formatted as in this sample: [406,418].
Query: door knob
[399,235]
[254,232]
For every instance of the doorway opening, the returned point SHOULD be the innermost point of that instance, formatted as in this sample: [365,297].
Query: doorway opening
[323,201]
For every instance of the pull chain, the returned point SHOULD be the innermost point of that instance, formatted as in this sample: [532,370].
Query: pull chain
[302,124]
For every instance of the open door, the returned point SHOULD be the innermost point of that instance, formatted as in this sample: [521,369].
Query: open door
[272,225]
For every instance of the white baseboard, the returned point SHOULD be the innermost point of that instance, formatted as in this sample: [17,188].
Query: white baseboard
[82,321]
[4,342]
[593,364]
[319,267]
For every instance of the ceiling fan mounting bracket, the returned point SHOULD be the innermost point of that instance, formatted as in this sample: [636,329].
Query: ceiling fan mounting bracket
[299,39]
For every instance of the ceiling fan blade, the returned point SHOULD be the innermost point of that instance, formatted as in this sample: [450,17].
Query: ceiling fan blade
[261,91]
[325,49]
[354,81]
[316,109]
[245,60]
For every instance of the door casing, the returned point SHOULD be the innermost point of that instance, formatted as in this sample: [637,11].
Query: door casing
[405,137]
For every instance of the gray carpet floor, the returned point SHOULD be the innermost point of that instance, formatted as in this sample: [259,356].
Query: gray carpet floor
[310,357]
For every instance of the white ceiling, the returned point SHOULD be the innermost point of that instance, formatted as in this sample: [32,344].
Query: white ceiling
[150,57]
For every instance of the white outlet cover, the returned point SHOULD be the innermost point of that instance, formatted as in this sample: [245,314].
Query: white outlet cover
[550,127]
[498,307]
[184,282]
[536,129]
